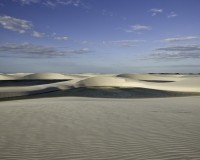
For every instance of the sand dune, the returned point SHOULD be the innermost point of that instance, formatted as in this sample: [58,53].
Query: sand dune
[179,83]
[100,129]
[151,77]
[102,81]
[46,76]
[97,128]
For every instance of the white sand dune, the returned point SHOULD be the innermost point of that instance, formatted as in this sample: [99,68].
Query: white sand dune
[100,129]
[7,77]
[102,81]
[151,77]
[179,83]
[47,76]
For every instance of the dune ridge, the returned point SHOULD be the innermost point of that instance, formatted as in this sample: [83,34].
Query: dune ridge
[180,83]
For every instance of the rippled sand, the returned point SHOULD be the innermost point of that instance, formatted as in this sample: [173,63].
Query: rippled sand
[91,128]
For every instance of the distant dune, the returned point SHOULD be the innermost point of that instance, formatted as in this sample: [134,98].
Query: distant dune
[176,83]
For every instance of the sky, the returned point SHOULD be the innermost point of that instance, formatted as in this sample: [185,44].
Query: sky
[100,36]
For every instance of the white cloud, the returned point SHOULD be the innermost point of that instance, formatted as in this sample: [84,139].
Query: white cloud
[124,43]
[178,39]
[69,2]
[140,27]
[19,25]
[128,30]
[80,51]
[49,4]
[153,14]
[15,24]
[37,34]
[172,14]
[155,11]
[176,52]
[86,42]
[61,38]
[136,28]
[188,47]
[38,51]
[27,1]
[54,3]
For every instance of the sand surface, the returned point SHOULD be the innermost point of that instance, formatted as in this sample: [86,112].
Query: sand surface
[99,129]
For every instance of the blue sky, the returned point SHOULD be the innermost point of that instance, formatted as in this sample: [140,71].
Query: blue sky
[99,36]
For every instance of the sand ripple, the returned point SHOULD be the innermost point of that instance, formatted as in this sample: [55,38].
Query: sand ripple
[99,129]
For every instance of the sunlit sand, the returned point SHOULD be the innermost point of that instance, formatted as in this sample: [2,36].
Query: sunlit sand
[79,128]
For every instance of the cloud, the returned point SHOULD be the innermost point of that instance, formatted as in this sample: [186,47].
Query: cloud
[27,1]
[106,13]
[50,4]
[178,39]
[176,52]
[188,47]
[155,11]
[61,38]
[136,28]
[38,51]
[172,14]
[15,24]
[124,43]
[54,3]
[128,30]
[70,2]
[139,27]
[86,42]
[80,51]
[37,34]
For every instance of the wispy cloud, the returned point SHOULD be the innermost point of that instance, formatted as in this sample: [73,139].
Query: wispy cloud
[19,25]
[54,3]
[80,51]
[71,2]
[188,47]
[124,43]
[50,4]
[140,27]
[107,13]
[15,24]
[27,1]
[155,11]
[87,42]
[178,39]
[176,52]
[62,38]
[136,28]
[37,34]
[32,50]
[172,14]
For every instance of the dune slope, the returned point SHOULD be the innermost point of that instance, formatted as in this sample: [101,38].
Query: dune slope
[180,83]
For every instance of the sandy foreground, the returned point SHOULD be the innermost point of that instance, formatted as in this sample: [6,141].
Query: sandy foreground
[78,128]
[100,129]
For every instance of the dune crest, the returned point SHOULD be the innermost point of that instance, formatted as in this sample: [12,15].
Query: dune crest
[46,76]
[102,81]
